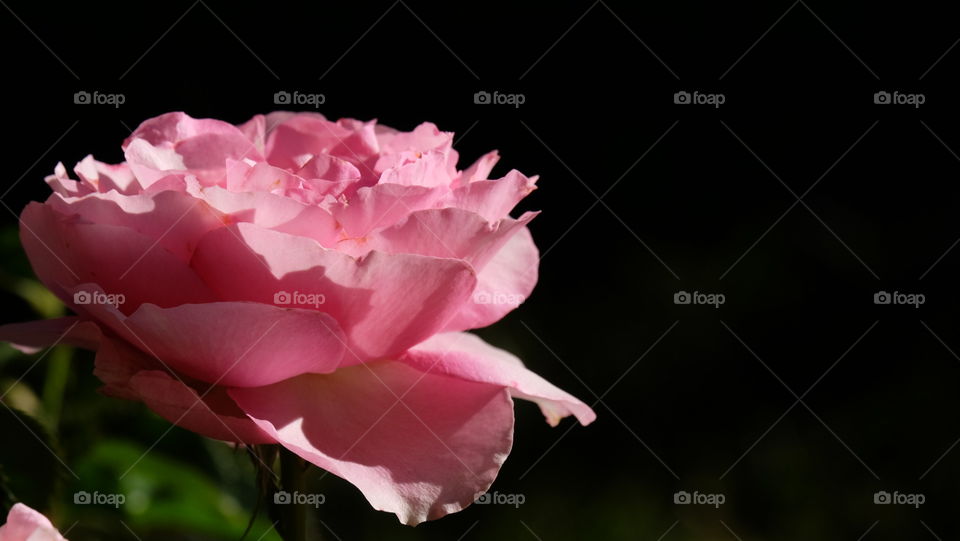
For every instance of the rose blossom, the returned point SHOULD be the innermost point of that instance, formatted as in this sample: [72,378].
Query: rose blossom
[25,524]
[299,281]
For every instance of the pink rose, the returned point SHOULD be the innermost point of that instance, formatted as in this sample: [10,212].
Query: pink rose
[299,281]
[25,524]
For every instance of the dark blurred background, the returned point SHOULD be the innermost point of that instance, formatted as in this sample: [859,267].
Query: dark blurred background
[796,401]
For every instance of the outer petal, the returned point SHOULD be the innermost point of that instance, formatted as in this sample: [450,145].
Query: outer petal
[504,284]
[65,253]
[33,336]
[175,220]
[428,455]
[480,170]
[104,177]
[131,374]
[60,183]
[450,232]
[384,303]
[25,524]
[237,343]
[466,356]
[492,199]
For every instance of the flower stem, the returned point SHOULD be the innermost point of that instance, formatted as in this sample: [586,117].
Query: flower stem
[293,515]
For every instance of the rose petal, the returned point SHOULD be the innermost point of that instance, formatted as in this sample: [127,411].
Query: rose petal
[177,142]
[311,134]
[32,336]
[104,177]
[385,303]
[275,212]
[503,284]
[467,356]
[175,220]
[423,456]
[239,344]
[376,207]
[480,170]
[449,232]
[25,524]
[65,253]
[60,183]
[492,199]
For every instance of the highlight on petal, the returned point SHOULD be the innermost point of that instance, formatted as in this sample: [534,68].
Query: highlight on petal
[418,445]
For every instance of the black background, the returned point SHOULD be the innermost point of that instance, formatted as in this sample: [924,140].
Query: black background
[641,198]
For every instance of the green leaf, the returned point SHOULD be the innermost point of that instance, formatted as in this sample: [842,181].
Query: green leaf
[38,297]
[161,495]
